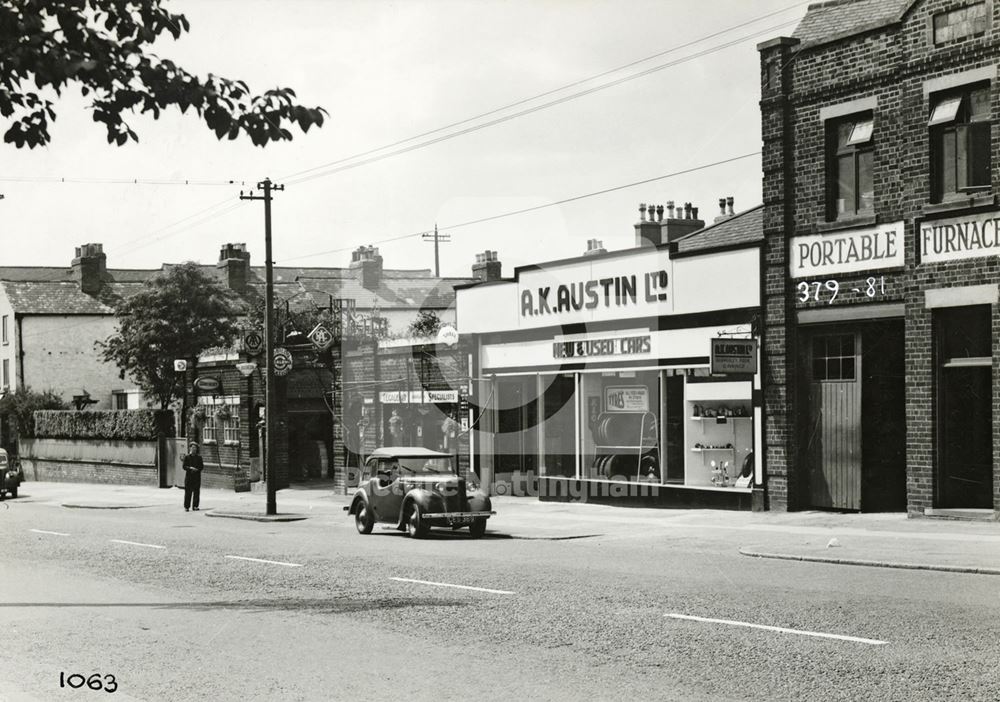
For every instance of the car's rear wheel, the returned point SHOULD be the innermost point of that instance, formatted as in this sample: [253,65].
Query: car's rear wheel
[416,528]
[478,527]
[364,520]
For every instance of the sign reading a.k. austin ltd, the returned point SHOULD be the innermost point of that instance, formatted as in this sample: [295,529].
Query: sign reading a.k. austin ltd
[972,236]
[845,251]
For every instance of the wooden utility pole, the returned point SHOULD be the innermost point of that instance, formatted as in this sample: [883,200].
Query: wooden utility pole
[436,238]
[268,187]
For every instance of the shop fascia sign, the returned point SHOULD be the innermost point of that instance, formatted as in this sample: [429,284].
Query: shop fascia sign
[417,397]
[734,355]
[866,249]
[632,286]
[957,238]
[626,344]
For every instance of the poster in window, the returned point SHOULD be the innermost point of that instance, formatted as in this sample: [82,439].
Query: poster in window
[626,398]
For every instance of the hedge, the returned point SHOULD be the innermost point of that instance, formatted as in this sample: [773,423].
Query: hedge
[123,425]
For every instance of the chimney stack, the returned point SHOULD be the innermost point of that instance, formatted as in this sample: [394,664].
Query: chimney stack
[234,267]
[657,230]
[724,203]
[90,267]
[595,247]
[367,263]
[647,231]
[487,266]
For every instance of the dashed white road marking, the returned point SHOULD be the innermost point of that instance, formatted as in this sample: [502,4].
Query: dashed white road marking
[261,560]
[460,587]
[135,543]
[781,629]
[54,533]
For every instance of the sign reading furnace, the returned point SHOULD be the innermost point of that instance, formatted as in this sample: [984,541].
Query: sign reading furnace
[975,236]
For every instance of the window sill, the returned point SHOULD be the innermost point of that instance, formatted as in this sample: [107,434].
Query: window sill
[851,222]
[209,442]
[960,202]
[230,443]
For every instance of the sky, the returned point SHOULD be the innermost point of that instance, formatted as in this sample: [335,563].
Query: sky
[387,71]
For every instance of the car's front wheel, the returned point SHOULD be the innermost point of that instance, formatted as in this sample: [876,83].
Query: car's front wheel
[416,528]
[478,527]
[364,520]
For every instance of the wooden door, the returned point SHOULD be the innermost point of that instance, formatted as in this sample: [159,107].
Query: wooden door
[832,440]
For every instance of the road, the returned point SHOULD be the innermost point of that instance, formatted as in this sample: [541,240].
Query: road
[167,603]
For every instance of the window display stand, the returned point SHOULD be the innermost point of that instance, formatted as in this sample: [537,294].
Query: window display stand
[618,434]
[720,477]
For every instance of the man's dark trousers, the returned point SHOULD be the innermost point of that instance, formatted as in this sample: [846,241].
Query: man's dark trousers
[192,488]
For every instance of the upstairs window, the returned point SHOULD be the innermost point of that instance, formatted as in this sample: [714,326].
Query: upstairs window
[960,142]
[851,162]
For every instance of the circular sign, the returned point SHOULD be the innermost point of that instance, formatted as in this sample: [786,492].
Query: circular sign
[207,383]
[282,361]
[447,335]
[253,342]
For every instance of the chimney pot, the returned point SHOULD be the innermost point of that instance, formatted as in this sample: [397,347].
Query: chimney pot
[694,213]
[659,213]
[729,204]
[670,209]
[487,267]
[687,210]
[722,205]
[642,211]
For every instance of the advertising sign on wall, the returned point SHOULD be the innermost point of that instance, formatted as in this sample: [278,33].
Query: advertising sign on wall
[866,249]
[972,236]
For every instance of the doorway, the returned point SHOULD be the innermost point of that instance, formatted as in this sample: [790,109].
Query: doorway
[965,407]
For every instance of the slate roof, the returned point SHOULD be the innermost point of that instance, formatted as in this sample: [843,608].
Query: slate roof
[743,228]
[836,19]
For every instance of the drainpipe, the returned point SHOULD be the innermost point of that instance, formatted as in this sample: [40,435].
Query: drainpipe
[19,321]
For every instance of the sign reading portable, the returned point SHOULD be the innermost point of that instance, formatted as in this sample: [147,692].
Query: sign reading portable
[873,248]
[734,355]
[282,361]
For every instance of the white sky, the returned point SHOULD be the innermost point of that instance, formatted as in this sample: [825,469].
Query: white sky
[387,71]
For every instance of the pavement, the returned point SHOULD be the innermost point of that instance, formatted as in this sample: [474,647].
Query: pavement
[887,540]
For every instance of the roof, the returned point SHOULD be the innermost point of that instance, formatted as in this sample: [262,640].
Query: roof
[746,227]
[62,297]
[392,291]
[837,19]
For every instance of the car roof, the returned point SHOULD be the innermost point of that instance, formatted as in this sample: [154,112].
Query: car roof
[407,452]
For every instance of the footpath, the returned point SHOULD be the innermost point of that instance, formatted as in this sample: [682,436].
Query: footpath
[872,540]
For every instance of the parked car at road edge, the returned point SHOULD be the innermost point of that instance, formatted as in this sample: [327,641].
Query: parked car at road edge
[10,475]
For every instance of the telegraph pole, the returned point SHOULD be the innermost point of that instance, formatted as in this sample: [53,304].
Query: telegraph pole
[267,186]
[436,238]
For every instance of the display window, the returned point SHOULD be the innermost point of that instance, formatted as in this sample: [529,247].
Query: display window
[621,431]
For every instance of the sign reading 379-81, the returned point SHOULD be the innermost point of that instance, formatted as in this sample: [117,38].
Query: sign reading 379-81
[953,239]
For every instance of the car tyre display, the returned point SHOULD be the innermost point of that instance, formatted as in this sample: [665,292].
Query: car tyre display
[364,520]
[415,526]
[477,528]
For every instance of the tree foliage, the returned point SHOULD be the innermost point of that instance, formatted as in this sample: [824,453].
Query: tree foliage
[103,47]
[180,313]
[21,405]
[427,323]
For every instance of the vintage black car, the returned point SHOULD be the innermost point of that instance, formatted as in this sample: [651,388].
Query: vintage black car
[413,489]
[10,475]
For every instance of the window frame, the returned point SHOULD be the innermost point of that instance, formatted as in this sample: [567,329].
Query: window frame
[962,127]
[839,356]
[854,147]
[6,337]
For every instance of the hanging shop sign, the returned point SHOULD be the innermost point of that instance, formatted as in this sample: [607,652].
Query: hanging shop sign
[972,236]
[588,348]
[282,361]
[417,397]
[208,384]
[872,248]
[631,398]
[734,355]
[253,342]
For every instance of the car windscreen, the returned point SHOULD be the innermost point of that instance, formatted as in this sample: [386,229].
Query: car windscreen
[424,465]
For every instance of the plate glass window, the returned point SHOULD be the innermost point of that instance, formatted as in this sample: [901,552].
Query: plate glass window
[851,162]
[960,142]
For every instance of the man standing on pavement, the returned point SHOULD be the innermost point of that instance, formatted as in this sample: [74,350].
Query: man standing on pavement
[193,466]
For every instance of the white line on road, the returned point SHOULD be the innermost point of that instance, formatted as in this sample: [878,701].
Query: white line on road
[261,560]
[54,533]
[460,587]
[135,543]
[783,630]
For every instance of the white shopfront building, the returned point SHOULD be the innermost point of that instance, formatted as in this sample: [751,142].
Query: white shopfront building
[595,377]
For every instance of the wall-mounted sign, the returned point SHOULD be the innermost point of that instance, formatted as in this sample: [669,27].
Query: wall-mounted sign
[619,346]
[447,335]
[208,384]
[613,291]
[972,236]
[734,355]
[282,361]
[321,337]
[180,365]
[845,251]
[253,342]
[632,398]
[417,396]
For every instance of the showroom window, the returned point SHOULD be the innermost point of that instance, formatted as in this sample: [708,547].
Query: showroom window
[851,162]
[960,141]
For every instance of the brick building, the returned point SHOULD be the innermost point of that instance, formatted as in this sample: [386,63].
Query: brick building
[880,157]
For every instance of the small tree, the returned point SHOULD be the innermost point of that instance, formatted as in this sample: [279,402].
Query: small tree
[19,407]
[180,313]
[427,323]
[103,47]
